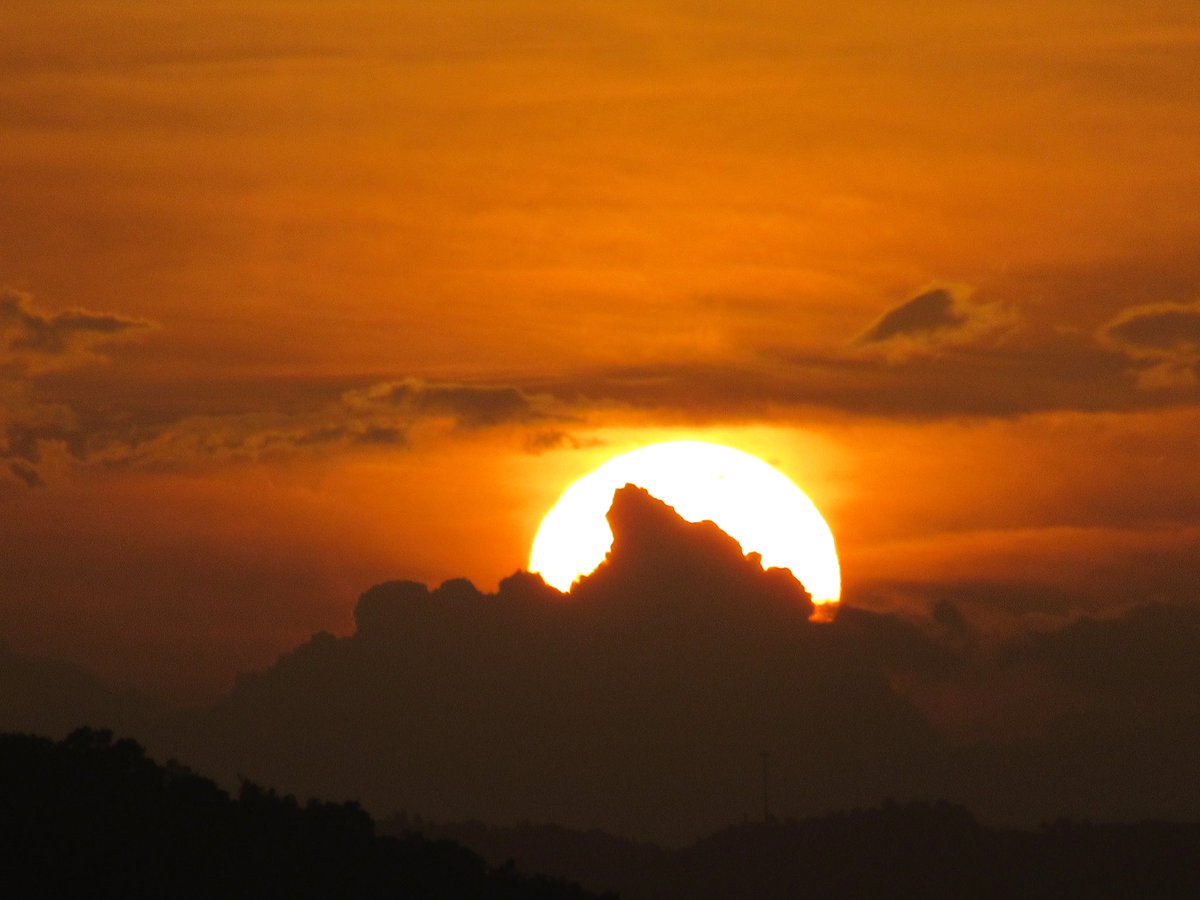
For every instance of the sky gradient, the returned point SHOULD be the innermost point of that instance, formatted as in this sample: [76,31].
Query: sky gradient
[296,298]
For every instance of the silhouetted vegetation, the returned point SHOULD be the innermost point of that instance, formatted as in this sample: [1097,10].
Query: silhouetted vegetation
[93,816]
[899,850]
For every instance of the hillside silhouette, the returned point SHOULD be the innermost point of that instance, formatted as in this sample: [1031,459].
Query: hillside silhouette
[51,697]
[927,850]
[94,816]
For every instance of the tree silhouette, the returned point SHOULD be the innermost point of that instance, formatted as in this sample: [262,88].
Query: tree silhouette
[93,816]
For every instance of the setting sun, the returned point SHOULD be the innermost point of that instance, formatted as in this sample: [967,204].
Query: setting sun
[751,501]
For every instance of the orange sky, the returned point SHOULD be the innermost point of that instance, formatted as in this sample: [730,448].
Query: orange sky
[298,297]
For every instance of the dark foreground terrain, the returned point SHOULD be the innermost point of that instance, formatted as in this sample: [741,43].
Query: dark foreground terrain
[902,851]
[92,817]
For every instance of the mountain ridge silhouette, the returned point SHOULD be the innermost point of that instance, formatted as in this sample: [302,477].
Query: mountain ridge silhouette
[94,816]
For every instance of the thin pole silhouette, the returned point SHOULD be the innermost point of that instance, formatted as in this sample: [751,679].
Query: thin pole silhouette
[766,794]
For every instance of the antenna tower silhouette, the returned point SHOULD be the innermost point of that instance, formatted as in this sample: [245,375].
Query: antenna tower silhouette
[766,793]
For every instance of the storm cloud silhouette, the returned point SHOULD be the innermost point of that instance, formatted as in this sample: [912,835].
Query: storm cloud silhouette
[640,702]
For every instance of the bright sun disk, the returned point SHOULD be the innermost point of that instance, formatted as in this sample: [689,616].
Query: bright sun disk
[749,500]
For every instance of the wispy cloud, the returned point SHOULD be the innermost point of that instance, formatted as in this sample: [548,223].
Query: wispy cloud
[469,405]
[936,318]
[386,414]
[32,339]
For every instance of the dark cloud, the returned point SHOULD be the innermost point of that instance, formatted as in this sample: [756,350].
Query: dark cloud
[26,473]
[941,353]
[1009,600]
[49,401]
[473,406]
[932,320]
[1163,327]
[1123,746]
[1162,339]
[383,414]
[924,314]
[26,425]
[381,436]
[938,355]
[544,439]
[1145,656]
[35,347]
[641,701]
[26,331]
[379,415]
[1070,375]
[33,343]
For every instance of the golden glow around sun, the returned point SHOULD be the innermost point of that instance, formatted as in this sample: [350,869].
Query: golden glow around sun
[752,502]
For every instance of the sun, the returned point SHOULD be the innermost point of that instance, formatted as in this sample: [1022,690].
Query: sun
[748,499]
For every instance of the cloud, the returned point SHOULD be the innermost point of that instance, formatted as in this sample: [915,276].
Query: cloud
[35,343]
[1164,327]
[386,414]
[393,414]
[33,339]
[1066,374]
[470,406]
[924,314]
[1123,747]
[545,439]
[92,429]
[1164,338]
[939,354]
[640,702]
[936,318]
[26,473]
[1147,652]
[26,426]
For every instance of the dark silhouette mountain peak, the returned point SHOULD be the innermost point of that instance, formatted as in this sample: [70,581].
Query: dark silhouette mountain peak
[646,527]
[657,551]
